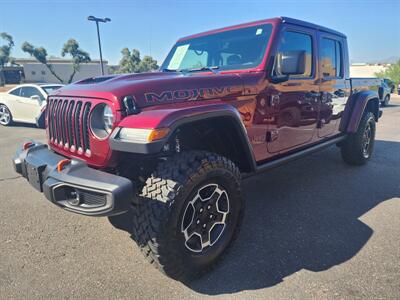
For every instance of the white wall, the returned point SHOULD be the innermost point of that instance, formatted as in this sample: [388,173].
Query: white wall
[365,71]
[37,72]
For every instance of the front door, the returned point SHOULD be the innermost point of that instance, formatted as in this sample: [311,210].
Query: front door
[293,106]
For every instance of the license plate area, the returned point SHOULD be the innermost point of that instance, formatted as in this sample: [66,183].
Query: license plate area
[34,175]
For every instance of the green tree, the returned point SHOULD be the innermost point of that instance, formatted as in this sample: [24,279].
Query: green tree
[5,53]
[392,72]
[71,47]
[147,64]
[132,63]
[40,54]
[78,55]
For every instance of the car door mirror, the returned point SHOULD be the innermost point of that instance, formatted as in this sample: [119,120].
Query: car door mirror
[36,98]
[291,63]
[279,78]
[288,63]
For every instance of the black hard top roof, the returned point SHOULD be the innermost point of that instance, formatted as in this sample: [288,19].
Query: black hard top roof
[311,25]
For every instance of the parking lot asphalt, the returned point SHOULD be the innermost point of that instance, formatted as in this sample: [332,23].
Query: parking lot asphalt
[315,228]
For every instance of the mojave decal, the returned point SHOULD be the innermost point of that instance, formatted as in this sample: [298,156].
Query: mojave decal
[191,94]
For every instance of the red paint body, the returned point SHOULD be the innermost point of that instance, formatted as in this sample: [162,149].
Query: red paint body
[298,117]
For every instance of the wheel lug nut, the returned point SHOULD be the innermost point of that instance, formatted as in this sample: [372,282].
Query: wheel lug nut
[201,210]
[208,207]
[211,216]
[204,225]
[198,222]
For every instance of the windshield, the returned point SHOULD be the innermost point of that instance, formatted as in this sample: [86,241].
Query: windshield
[49,89]
[229,50]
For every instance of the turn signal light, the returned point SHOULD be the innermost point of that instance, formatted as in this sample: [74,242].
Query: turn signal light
[62,163]
[157,134]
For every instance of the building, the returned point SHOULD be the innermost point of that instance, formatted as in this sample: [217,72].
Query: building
[11,75]
[34,71]
[365,70]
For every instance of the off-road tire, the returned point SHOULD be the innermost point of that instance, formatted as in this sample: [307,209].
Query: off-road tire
[385,101]
[10,122]
[157,216]
[352,148]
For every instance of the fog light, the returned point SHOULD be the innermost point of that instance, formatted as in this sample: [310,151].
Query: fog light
[72,196]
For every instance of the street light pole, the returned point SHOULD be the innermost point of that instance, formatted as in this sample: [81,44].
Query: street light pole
[97,20]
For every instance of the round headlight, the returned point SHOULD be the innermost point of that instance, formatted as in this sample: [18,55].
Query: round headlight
[102,121]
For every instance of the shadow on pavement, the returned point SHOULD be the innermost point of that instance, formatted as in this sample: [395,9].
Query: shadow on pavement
[304,215]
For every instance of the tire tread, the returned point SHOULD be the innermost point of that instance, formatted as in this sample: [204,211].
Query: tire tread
[170,178]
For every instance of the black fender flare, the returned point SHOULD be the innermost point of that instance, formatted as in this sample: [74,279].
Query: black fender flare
[157,146]
[355,108]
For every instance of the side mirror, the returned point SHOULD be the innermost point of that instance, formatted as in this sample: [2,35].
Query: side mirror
[289,63]
[36,98]
[279,78]
[292,62]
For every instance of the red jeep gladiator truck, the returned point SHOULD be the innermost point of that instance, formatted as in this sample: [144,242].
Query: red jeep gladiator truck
[173,145]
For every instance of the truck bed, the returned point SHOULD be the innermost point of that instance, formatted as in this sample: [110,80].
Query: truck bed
[360,84]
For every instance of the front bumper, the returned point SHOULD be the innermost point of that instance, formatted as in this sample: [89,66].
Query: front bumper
[77,187]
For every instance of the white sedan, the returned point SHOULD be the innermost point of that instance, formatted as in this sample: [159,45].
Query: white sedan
[25,103]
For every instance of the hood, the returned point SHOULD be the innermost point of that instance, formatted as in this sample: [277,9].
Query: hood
[157,87]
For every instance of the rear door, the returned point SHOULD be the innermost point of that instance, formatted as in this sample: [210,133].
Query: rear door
[334,88]
[14,106]
[294,103]
[28,108]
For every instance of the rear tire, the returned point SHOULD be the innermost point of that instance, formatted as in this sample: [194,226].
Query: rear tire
[385,101]
[178,221]
[5,116]
[357,148]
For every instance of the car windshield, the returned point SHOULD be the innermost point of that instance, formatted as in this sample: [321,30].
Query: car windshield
[229,50]
[49,88]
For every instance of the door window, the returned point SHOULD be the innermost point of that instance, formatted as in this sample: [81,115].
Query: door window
[16,92]
[30,91]
[298,42]
[331,58]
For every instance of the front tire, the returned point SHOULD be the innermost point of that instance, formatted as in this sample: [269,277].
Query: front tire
[5,116]
[357,148]
[189,212]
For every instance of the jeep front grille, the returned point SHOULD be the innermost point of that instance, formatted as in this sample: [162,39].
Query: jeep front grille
[68,124]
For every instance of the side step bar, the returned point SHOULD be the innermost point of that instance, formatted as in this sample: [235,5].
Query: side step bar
[296,155]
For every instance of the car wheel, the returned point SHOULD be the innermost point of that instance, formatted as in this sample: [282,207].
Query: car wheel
[5,116]
[357,148]
[386,100]
[189,212]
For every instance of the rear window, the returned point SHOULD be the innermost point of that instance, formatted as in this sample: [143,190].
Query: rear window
[16,92]
[331,58]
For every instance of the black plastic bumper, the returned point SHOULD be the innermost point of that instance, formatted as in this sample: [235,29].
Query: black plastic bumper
[77,187]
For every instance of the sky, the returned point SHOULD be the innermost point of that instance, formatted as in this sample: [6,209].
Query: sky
[372,26]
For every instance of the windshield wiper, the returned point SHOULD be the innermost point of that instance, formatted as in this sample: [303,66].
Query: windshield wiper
[212,69]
